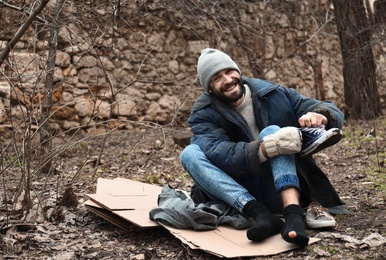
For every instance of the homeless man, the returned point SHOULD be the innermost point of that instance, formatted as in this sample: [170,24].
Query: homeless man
[251,148]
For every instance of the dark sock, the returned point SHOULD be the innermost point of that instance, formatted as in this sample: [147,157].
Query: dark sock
[266,223]
[253,208]
[294,221]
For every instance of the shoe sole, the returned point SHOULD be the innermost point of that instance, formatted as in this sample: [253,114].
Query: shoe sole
[321,224]
[323,143]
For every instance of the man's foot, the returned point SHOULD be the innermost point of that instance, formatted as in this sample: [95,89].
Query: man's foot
[294,229]
[266,225]
[318,217]
[316,139]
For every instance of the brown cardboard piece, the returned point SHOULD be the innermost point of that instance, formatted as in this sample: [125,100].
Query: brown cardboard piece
[127,203]
[126,200]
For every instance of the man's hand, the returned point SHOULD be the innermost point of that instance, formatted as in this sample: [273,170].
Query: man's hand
[312,119]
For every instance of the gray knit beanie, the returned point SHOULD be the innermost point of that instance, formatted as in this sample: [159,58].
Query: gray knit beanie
[210,63]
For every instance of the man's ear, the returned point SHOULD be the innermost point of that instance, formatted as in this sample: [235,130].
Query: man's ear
[209,90]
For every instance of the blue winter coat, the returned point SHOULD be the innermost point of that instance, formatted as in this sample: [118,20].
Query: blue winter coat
[223,134]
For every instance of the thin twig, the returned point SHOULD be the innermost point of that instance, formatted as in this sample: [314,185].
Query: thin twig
[9,46]
[301,44]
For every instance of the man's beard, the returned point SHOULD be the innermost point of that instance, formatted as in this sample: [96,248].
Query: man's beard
[229,98]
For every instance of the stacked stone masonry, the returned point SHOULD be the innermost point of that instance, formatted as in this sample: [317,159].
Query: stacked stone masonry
[139,65]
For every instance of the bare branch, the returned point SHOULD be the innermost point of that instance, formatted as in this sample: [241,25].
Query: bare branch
[21,9]
[301,44]
[21,31]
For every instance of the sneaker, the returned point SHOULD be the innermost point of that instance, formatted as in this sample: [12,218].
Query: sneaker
[318,217]
[316,139]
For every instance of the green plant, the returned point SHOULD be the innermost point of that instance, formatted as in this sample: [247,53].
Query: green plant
[152,178]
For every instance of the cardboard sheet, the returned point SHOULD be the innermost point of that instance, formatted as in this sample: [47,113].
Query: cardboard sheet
[125,219]
[126,203]
[126,199]
[229,242]
[112,218]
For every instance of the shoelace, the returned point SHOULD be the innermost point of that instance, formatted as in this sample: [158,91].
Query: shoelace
[314,130]
[318,211]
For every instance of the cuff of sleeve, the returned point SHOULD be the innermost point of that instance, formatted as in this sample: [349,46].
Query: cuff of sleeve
[331,121]
[262,158]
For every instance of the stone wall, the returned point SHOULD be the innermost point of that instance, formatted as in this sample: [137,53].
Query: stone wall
[138,65]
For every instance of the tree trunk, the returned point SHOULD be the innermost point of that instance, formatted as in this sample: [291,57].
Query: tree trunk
[360,87]
[45,133]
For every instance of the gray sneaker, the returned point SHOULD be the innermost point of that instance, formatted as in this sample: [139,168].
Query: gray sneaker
[318,217]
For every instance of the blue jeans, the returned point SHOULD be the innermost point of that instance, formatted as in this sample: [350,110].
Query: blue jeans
[279,171]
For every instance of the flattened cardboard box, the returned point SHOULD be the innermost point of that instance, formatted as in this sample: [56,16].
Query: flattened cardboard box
[126,203]
[126,199]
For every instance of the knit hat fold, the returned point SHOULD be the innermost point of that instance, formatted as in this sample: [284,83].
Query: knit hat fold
[210,63]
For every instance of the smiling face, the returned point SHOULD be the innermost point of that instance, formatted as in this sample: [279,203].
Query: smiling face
[226,86]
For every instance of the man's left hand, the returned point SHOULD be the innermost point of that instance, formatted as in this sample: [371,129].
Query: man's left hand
[312,119]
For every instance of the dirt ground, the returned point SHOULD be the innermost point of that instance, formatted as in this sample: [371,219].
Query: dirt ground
[60,229]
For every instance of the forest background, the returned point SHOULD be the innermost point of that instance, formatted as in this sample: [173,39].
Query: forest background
[85,84]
